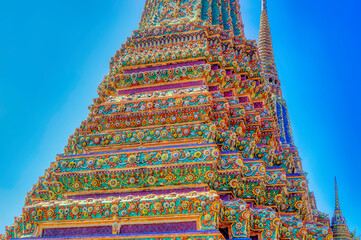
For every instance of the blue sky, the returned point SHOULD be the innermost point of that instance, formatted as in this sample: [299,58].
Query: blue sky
[55,53]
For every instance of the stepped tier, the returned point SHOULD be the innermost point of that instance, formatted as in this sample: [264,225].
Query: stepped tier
[183,142]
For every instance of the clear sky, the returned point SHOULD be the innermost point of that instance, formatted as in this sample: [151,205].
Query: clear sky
[55,53]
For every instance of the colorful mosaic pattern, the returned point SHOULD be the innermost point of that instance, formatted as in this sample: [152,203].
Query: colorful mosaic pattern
[187,138]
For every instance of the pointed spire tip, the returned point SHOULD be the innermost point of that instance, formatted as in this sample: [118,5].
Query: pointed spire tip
[337,202]
[264,5]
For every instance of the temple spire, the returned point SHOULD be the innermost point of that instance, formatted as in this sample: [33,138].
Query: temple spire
[266,49]
[338,224]
[337,201]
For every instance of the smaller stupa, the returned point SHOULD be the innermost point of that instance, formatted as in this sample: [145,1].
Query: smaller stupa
[338,225]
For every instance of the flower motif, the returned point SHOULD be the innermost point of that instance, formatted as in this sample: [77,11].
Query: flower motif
[198,154]
[28,226]
[239,162]
[178,100]
[140,135]
[97,140]
[246,215]
[163,134]
[190,177]
[165,157]
[117,138]
[97,209]
[278,198]
[257,190]
[123,213]
[185,205]
[113,183]
[215,153]
[238,226]
[90,162]
[277,222]
[268,233]
[151,180]
[170,177]
[147,157]
[95,183]
[233,183]
[76,185]
[131,180]
[114,208]
[75,210]
[207,152]
[303,232]
[207,217]
[132,159]
[90,209]
[209,175]
[176,155]
[50,213]
[186,132]
[213,129]
[157,206]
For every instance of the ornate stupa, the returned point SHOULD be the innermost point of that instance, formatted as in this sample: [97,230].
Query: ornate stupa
[266,50]
[272,80]
[188,139]
[338,225]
